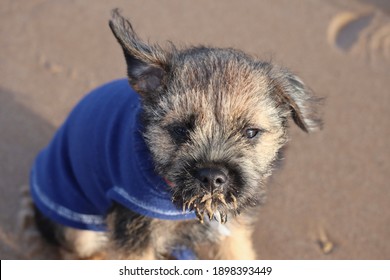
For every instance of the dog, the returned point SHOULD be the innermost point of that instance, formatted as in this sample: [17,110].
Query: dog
[172,162]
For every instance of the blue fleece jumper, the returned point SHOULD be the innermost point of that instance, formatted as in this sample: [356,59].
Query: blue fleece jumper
[99,156]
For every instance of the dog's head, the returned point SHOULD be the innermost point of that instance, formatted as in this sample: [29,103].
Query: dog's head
[215,119]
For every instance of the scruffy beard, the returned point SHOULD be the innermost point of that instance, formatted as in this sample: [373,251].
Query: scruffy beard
[216,205]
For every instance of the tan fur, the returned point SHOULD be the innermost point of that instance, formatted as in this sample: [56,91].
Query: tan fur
[237,246]
[84,244]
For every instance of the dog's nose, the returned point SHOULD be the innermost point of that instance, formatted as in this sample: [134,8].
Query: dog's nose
[213,178]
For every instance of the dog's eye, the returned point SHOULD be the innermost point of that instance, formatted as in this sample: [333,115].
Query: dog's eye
[179,134]
[251,133]
[180,131]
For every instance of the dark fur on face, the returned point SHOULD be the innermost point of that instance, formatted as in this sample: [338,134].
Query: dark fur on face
[214,119]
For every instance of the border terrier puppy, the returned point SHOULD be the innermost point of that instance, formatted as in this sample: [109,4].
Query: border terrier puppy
[170,163]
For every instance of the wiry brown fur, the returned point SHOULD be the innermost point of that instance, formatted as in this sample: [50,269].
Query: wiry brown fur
[211,109]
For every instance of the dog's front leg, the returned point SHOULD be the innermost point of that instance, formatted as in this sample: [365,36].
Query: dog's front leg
[238,244]
[116,253]
[130,235]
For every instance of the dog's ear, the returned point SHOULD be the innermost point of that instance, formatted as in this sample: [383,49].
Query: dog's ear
[146,64]
[293,94]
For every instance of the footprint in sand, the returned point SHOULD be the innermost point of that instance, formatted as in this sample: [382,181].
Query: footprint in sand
[364,33]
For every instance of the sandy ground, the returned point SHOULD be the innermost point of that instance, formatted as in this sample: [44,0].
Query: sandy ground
[331,200]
